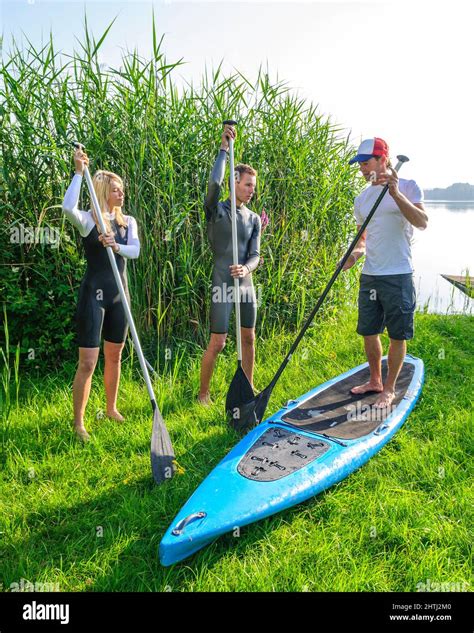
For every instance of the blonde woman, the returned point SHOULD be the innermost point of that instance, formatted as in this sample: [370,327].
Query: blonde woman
[99,309]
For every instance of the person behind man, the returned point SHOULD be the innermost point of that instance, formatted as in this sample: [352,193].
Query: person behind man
[219,231]
[387,293]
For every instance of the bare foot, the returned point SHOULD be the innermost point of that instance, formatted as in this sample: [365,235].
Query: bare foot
[385,399]
[81,432]
[115,415]
[367,387]
[204,399]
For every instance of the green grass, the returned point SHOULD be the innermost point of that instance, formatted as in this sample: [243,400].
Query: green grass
[90,518]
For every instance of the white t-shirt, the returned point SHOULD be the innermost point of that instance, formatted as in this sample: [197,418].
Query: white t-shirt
[389,234]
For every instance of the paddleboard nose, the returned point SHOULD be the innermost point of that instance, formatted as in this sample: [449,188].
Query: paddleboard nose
[173,550]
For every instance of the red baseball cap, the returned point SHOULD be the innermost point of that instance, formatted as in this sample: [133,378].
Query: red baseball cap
[369,148]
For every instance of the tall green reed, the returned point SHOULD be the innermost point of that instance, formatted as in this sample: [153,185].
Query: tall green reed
[9,381]
[162,138]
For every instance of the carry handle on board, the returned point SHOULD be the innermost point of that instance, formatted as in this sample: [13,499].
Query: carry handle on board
[179,529]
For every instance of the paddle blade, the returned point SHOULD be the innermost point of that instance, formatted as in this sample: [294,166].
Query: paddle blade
[162,454]
[249,414]
[240,401]
[243,418]
[262,402]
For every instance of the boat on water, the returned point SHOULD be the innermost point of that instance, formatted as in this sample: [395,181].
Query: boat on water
[463,283]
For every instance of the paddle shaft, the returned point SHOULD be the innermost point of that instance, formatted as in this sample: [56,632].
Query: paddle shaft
[235,253]
[120,287]
[331,281]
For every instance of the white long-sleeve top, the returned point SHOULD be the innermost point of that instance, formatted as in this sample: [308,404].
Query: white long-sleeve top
[84,221]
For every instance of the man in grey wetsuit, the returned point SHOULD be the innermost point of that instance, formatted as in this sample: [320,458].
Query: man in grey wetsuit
[219,232]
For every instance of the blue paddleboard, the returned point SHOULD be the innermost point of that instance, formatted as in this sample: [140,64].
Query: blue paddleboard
[306,447]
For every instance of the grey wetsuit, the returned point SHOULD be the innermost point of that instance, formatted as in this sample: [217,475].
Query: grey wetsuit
[219,232]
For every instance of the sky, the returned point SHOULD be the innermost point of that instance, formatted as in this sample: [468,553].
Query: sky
[399,69]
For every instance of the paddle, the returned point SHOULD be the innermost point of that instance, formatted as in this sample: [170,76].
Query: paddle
[162,454]
[240,389]
[250,410]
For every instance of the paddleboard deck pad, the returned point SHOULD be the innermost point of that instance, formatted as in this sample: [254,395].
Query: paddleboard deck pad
[306,447]
[279,453]
[338,412]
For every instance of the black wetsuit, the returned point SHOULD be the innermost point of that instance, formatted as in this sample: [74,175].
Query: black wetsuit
[99,308]
[219,232]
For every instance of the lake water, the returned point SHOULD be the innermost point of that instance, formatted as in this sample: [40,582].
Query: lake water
[446,246]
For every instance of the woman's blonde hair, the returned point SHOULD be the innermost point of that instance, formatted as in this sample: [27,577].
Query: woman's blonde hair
[102,181]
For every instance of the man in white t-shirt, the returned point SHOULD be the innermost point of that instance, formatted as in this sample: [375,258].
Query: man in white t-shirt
[387,293]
